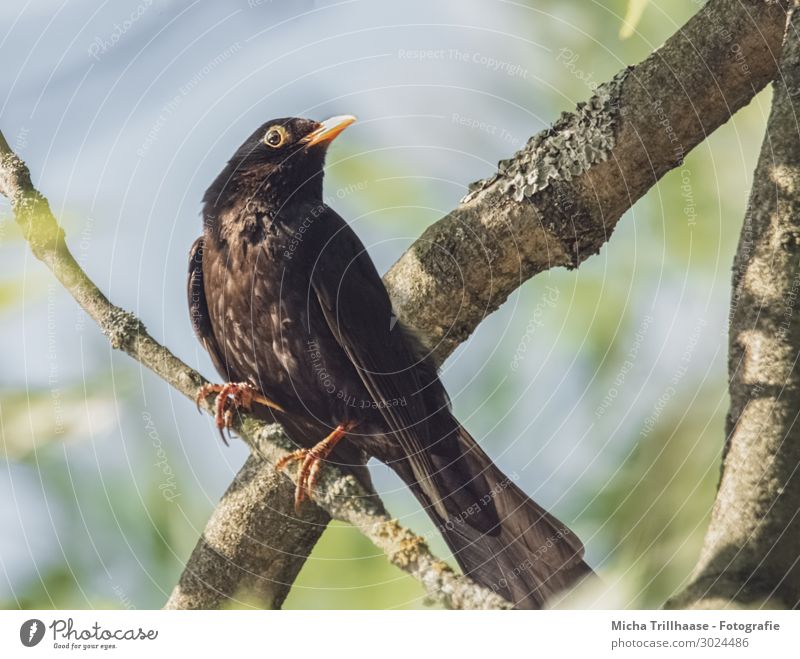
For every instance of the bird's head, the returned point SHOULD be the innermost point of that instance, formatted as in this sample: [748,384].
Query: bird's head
[281,160]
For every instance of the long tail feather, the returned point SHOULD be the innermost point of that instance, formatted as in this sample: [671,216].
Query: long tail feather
[501,538]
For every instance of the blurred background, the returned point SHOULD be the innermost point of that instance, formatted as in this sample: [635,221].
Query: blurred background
[603,389]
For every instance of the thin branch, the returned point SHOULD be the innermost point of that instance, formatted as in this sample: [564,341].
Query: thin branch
[339,494]
[750,555]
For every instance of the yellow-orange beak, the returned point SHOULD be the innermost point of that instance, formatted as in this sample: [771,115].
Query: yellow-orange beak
[329,129]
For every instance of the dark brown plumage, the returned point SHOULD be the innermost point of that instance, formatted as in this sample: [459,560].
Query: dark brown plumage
[285,298]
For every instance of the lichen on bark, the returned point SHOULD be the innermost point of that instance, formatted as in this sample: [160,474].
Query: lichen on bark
[568,148]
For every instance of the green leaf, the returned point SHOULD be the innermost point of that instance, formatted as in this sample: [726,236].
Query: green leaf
[632,17]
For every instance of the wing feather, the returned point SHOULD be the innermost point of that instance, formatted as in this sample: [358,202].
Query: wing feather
[198,310]
[358,312]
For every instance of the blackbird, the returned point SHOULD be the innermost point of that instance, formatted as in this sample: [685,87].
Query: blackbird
[286,300]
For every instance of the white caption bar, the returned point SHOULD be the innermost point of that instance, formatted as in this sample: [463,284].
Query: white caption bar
[390,634]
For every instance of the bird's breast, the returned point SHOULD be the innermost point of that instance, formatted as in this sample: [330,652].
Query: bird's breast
[271,329]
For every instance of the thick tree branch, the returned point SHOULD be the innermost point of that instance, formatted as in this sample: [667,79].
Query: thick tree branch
[750,555]
[556,202]
[257,508]
[341,495]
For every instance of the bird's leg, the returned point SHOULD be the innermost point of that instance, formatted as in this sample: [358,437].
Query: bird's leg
[311,461]
[232,396]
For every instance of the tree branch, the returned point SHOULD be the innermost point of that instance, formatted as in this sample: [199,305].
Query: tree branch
[750,555]
[257,508]
[556,202]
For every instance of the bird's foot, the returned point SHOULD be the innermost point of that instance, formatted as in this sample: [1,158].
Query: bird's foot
[311,462]
[232,396]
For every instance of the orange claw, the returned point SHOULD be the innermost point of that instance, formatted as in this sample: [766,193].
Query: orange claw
[311,462]
[232,396]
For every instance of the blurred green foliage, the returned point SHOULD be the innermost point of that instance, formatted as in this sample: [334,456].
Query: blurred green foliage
[633,15]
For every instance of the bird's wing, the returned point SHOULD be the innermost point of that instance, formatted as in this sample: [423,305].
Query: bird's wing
[359,314]
[198,309]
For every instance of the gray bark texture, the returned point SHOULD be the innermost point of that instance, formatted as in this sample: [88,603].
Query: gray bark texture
[554,203]
[751,553]
[257,507]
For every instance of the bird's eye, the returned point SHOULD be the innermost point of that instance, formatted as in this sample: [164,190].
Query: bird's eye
[275,136]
